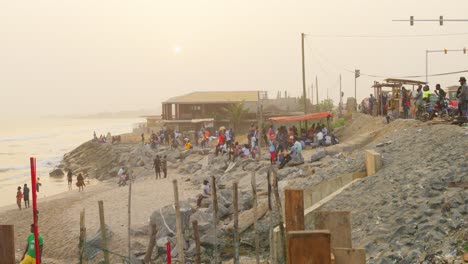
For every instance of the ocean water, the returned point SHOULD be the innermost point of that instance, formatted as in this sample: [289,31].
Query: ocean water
[46,139]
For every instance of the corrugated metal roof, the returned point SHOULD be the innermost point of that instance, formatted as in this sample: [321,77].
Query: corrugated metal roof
[216,97]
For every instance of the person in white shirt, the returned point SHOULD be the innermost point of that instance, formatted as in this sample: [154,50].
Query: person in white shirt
[245,152]
[205,192]
[328,140]
[320,138]
[324,131]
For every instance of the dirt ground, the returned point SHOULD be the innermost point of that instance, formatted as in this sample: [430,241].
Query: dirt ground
[59,215]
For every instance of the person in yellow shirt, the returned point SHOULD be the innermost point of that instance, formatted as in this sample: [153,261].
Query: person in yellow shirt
[188,145]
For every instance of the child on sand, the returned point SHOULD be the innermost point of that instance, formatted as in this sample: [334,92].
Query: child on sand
[19,197]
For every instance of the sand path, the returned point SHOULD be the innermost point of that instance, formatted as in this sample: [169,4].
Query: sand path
[59,215]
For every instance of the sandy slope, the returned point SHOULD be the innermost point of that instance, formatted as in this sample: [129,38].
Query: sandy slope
[59,215]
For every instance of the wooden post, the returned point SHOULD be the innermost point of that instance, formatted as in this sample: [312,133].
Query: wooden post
[180,237]
[103,232]
[339,225]
[7,244]
[82,244]
[270,213]
[280,213]
[255,212]
[294,212]
[196,237]
[152,243]
[236,222]
[214,196]
[129,219]
[309,247]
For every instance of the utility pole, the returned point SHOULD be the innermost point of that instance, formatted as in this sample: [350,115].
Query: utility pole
[303,75]
[316,89]
[341,99]
[357,73]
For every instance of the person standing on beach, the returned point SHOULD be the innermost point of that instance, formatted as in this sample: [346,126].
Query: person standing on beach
[164,166]
[70,179]
[19,197]
[26,196]
[80,182]
[143,139]
[29,255]
[38,184]
[157,167]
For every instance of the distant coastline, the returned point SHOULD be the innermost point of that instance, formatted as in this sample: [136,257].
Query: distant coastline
[117,115]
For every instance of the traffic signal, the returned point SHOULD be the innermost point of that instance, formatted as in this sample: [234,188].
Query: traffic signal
[411,19]
[441,20]
[445,51]
[357,73]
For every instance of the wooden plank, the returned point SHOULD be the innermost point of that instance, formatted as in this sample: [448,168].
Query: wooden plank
[294,209]
[349,255]
[339,225]
[309,247]
[7,244]
[457,184]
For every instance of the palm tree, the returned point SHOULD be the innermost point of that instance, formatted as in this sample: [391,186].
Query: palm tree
[235,113]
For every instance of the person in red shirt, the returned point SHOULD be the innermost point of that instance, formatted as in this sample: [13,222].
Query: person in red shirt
[221,139]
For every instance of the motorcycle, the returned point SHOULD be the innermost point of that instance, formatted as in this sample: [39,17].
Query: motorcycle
[425,112]
[444,111]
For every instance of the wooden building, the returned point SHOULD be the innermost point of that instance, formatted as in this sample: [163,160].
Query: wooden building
[197,109]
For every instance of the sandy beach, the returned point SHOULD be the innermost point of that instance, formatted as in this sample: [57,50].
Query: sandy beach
[60,214]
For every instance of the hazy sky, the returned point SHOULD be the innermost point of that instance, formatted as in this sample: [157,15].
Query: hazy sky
[77,57]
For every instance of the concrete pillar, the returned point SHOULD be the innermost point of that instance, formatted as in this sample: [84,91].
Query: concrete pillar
[339,225]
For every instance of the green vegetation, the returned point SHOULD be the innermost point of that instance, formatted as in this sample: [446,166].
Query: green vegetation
[338,123]
[235,113]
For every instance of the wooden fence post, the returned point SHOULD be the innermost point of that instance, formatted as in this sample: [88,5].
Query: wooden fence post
[196,237]
[255,212]
[270,213]
[294,212]
[103,232]
[180,237]
[152,243]
[82,243]
[7,244]
[280,214]
[214,196]
[236,222]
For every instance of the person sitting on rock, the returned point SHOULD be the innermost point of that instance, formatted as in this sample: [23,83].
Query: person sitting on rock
[188,145]
[205,192]
[245,152]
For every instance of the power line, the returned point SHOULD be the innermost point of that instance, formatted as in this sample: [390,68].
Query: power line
[385,36]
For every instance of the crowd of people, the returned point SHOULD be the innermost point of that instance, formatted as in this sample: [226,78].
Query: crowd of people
[284,144]
[415,103]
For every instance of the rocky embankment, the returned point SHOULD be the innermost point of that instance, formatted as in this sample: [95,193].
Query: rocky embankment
[406,213]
